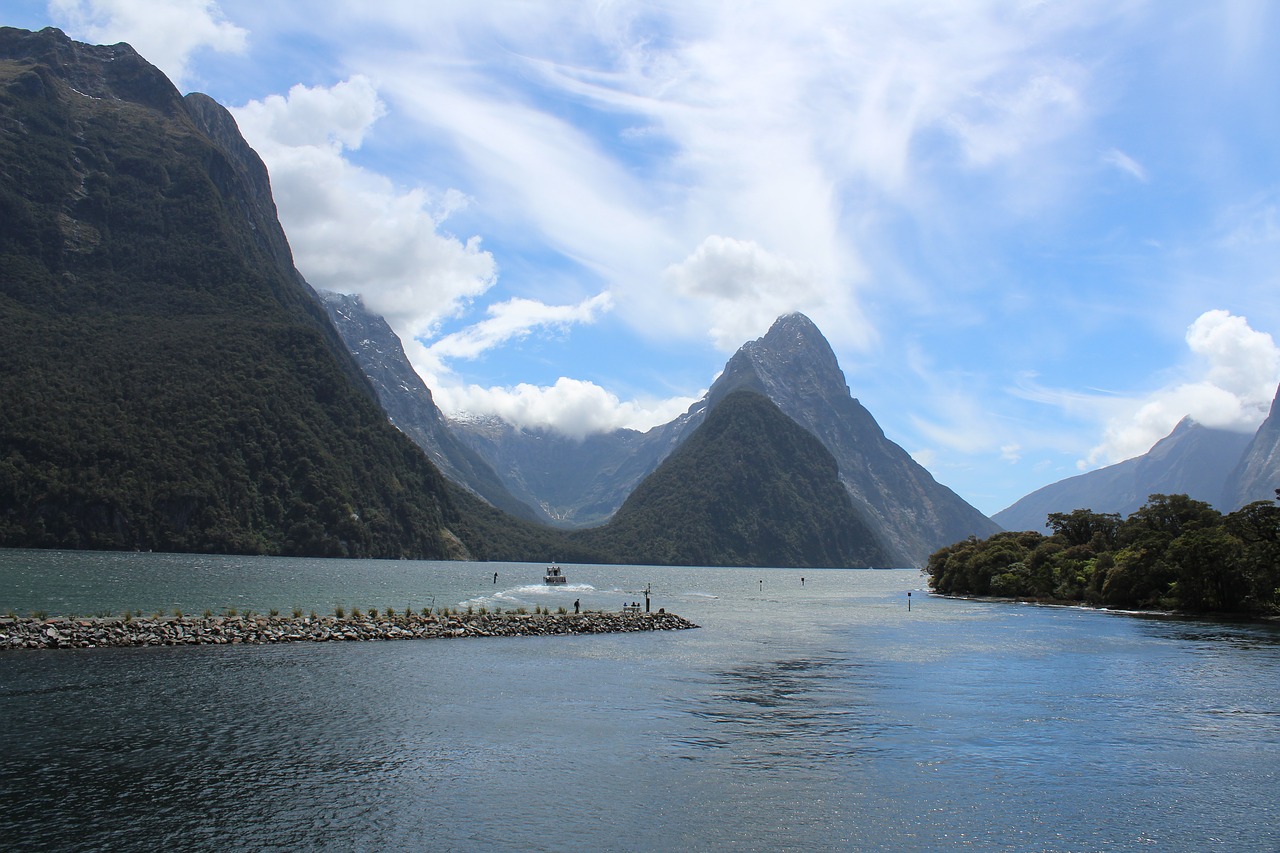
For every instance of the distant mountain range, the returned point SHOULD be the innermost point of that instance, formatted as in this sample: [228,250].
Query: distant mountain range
[1194,460]
[577,483]
[1222,468]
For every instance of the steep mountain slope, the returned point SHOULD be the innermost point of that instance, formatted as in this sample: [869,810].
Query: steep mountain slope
[1257,476]
[408,402]
[1193,460]
[168,380]
[795,367]
[749,487]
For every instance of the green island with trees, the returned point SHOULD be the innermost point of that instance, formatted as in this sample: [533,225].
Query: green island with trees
[1174,553]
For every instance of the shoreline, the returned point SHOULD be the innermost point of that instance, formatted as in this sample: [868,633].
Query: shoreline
[1211,616]
[18,632]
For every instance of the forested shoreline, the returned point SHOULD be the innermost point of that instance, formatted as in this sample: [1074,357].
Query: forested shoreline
[1173,553]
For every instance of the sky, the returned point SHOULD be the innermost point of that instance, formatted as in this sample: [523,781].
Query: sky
[1037,234]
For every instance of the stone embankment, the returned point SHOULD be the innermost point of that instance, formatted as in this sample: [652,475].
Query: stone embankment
[98,632]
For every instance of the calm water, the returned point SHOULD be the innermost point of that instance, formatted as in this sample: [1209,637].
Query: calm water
[816,717]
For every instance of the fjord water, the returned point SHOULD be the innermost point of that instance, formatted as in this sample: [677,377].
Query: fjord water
[814,716]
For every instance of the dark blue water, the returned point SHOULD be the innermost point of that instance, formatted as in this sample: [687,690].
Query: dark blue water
[816,717]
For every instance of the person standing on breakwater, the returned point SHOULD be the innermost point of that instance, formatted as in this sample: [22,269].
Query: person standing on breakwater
[575,606]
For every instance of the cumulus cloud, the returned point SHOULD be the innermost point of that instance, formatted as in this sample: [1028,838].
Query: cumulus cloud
[743,286]
[166,34]
[351,229]
[572,407]
[1232,387]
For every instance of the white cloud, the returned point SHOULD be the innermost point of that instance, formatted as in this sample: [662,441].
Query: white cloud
[165,34]
[570,406]
[351,229]
[511,320]
[743,287]
[795,128]
[337,117]
[1001,125]
[1118,159]
[1232,388]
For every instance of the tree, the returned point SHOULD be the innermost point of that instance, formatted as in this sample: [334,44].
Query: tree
[1086,527]
[1167,517]
[1209,569]
[1257,526]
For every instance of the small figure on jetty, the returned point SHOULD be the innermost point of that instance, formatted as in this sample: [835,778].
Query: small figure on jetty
[575,606]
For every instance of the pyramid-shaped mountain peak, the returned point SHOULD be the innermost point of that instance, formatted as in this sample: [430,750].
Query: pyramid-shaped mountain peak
[791,336]
[792,359]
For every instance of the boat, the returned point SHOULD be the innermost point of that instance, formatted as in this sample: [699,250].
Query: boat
[554,576]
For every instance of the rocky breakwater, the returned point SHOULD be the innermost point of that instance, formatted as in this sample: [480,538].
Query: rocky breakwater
[99,632]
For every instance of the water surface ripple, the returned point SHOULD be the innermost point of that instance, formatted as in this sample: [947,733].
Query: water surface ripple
[814,716]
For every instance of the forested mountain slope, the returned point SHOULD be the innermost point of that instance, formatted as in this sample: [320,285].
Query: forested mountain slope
[168,380]
[749,487]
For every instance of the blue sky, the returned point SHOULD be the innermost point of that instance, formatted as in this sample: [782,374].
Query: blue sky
[1037,234]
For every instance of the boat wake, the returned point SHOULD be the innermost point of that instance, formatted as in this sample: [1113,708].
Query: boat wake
[530,594]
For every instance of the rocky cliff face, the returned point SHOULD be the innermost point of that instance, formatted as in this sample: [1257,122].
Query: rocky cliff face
[1193,460]
[409,404]
[1257,476]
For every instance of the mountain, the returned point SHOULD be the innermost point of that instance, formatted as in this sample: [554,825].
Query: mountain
[409,404]
[1193,460]
[1257,476]
[168,379]
[794,366]
[749,487]
[578,482]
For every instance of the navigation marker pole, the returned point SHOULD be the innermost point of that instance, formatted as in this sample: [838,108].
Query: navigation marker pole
[908,602]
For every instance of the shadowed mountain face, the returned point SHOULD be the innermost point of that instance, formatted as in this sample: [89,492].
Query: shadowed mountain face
[749,487]
[1257,476]
[168,379]
[1192,460]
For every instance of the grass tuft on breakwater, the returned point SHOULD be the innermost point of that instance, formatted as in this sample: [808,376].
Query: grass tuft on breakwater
[39,632]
